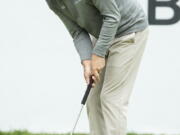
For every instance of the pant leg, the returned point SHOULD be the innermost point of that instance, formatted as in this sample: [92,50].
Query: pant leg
[120,73]
[93,105]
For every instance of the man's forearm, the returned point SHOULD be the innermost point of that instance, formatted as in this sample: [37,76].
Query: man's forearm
[83,45]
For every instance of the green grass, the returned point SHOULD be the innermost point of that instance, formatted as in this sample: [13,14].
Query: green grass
[26,132]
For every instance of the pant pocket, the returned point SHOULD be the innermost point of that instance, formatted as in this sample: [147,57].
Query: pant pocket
[130,38]
[123,41]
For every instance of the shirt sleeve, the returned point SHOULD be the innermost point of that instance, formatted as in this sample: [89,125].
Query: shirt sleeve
[80,36]
[111,17]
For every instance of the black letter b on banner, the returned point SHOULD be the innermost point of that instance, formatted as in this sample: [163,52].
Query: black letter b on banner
[152,12]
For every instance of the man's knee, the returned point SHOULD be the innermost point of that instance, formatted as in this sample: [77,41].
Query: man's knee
[114,99]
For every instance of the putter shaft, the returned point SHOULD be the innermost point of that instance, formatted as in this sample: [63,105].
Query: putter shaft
[77,119]
[83,102]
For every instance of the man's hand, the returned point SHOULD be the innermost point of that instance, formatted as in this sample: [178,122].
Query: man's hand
[97,64]
[87,70]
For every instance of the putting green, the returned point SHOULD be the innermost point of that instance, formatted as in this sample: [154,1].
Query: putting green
[26,132]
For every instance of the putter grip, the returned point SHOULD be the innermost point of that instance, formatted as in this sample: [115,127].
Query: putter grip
[87,91]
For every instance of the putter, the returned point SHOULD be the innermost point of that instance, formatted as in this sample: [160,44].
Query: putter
[83,102]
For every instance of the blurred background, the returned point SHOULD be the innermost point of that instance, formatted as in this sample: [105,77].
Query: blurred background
[41,78]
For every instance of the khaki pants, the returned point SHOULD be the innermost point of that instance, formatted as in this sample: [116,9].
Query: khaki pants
[107,103]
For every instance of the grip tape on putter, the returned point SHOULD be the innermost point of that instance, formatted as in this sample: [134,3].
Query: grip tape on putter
[87,91]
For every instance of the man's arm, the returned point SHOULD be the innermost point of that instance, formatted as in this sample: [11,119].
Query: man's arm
[111,17]
[81,38]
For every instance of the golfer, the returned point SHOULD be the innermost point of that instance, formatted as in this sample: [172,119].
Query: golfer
[110,38]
